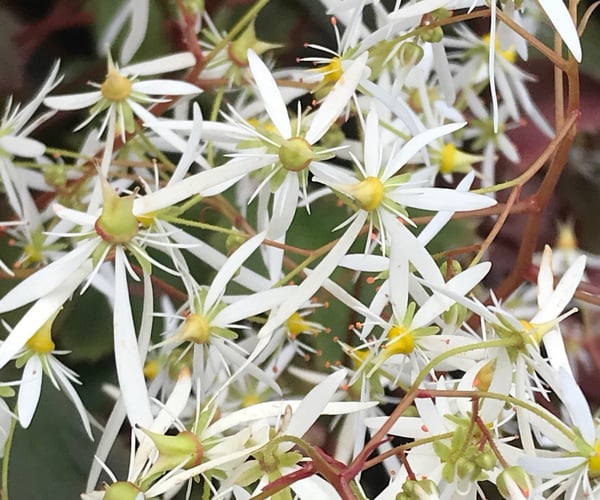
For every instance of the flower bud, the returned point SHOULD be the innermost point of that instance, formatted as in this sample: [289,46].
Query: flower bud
[513,483]
[183,450]
[486,460]
[410,53]
[122,490]
[467,469]
[424,489]
[432,35]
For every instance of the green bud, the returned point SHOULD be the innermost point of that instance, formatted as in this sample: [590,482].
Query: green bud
[442,450]
[183,450]
[467,469]
[238,49]
[448,472]
[121,490]
[432,35]
[513,483]
[233,242]
[486,460]
[410,53]
[55,174]
[424,489]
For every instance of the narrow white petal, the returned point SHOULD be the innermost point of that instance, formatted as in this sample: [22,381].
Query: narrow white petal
[365,263]
[127,358]
[577,405]
[441,218]
[563,293]
[461,283]
[139,11]
[270,95]
[196,184]
[166,64]
[547,466]
[372,148]
[345,298]
[67,386]
[285,202]
[315,279]
[75,216]
[417,9]
[314,487]
[313,404]
[414,249]
[412,147]
[441,199]
[191,147]
[252,305]
[337,99]
[226,272]
[30,390]
[111,431]
[560,17]
[47,279]
[40,312]
[165,87]
[399,271]
[22,146]
[73,101]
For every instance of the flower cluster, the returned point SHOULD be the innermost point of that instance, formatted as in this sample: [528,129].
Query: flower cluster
[285,248]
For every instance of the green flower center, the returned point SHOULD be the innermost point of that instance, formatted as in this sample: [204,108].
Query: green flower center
[295,154]
[116,223]
[116,87]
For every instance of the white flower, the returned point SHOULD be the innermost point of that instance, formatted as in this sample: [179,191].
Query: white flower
[120,94]
[574,471]
[37,358]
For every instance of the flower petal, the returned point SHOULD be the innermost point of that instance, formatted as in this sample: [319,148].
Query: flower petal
[40,312]
[30,390]
[560,18]
[73,101]
[127,358]
[270,95]
[230,267]
[412,147]
[337,99]
[165,87]
[22,146]
[313,404]
[166,64]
